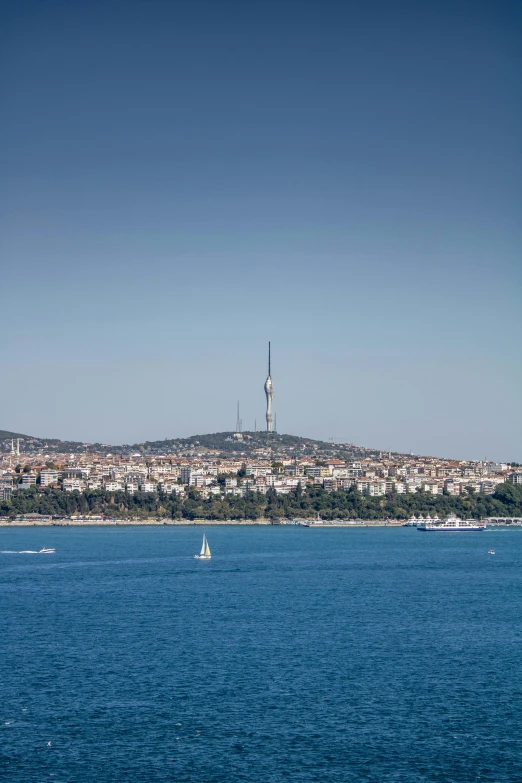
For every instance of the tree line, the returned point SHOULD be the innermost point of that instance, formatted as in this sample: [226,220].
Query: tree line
[339,504]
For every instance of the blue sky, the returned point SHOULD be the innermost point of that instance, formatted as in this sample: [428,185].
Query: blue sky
[183,181]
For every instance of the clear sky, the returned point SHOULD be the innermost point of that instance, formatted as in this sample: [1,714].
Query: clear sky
[183,180]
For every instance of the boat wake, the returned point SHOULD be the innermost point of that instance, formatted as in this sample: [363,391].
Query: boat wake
[44,551]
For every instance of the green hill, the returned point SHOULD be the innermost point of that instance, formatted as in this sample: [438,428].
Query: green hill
[249,442]
[5,435]
[223,442]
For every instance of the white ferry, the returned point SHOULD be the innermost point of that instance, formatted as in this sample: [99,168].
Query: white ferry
[451,524]
[414,522]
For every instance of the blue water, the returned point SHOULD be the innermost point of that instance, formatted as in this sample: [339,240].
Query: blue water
[293,655]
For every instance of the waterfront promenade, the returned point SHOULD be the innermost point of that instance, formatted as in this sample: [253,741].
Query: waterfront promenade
[71,522]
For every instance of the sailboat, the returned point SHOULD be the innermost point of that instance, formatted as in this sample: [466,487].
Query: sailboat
[205,550]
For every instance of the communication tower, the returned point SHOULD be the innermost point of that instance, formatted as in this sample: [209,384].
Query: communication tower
[269,391]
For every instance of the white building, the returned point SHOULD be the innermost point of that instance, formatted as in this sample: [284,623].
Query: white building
[434,489]
[73,485]
[148,486]
[377,488]
[168,487]
[113,486]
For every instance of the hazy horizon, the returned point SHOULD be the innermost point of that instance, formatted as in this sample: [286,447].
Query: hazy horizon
[183,182]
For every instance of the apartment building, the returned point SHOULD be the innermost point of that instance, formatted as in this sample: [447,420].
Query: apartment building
[73,485]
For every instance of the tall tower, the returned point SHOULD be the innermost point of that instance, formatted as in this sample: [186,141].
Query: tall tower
[269,391]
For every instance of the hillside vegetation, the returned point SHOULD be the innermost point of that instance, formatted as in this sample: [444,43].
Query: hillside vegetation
[224,442]
[6,435]
[340,504]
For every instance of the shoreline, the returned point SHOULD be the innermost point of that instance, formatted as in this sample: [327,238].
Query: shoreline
[192,523]
[154,522]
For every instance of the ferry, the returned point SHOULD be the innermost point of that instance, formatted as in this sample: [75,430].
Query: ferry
[414,522]
[452,524]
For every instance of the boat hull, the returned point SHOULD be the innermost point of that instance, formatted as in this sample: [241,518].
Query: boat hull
[443,529]
[202,557]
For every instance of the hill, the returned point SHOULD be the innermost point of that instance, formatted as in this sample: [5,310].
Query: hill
[223,442]
[6,435]
[248,444]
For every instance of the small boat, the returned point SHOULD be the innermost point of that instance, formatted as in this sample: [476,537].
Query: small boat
[47,551]
[491,551]
[205,550]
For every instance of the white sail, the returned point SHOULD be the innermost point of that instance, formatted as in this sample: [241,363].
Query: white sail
[203,545]
[207,549]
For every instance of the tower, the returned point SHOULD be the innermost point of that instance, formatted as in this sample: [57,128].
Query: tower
[269,391]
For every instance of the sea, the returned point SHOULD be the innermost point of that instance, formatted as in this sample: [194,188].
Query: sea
[295,654]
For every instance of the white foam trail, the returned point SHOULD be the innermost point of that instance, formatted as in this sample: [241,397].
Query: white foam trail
[25,552]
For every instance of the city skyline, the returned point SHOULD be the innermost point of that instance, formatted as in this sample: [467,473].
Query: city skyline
[182,181]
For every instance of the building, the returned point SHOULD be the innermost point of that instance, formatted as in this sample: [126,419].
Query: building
[168,487]
[111,486]
[185,474]
[73,473]
[148,486]
[515,478]
[48,477]
[73,485]
[377,488]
